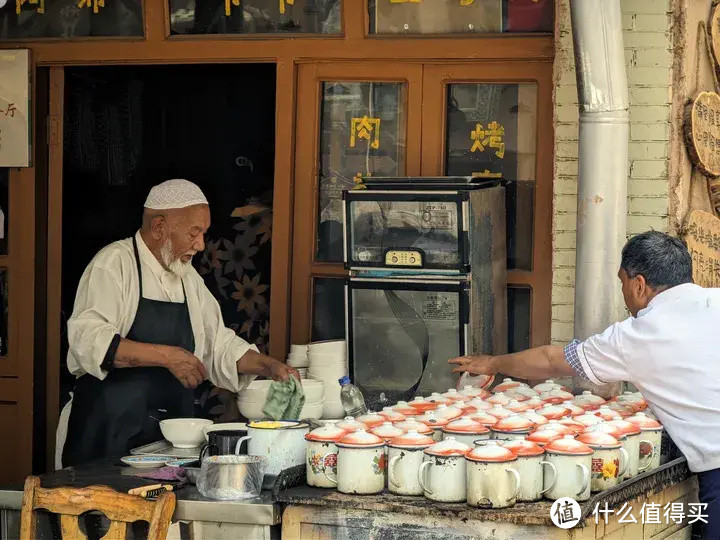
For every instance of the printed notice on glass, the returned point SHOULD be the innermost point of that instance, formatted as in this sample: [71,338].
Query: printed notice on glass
[440,307]
[15,108]
[438,216]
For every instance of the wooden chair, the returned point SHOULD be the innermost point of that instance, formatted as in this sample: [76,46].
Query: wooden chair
[120,508]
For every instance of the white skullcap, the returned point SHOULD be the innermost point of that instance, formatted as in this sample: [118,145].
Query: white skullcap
[174,194]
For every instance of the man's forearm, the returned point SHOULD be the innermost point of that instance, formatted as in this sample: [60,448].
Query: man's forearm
[135,354]
[537,363]
[254,363]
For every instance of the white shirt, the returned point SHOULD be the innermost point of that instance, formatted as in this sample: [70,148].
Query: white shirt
[671,353]
[107,299]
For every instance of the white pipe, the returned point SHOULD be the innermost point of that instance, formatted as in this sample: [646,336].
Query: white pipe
[602,168]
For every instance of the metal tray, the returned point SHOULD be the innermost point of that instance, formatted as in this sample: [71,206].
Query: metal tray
[164,448]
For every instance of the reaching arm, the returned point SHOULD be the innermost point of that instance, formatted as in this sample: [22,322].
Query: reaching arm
[538,363]
[184,365]
[254,363]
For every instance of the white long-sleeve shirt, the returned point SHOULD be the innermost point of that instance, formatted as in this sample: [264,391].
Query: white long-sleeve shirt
[107,299]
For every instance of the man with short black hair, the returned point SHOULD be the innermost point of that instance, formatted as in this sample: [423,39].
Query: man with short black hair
[668,349]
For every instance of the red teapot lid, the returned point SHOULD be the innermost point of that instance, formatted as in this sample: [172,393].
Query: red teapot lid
[491,452]
[523,448]
[328,433]
[448,447]
[361,439]
[412,439]
[568,445]
[513,423]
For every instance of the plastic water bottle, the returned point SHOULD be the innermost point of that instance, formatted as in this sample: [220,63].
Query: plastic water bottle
[351,397]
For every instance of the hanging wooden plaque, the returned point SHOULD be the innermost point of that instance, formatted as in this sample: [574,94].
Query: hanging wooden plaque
[715,33]
[702,132]
[702,235]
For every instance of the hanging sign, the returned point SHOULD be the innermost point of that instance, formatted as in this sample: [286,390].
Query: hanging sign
[15,108]
[715,33]
[702,235]
[702,132]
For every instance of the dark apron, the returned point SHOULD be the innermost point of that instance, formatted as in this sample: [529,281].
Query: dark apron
[111,416]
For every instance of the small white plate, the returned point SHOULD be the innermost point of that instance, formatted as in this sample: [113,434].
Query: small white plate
[144,462]
[180,462]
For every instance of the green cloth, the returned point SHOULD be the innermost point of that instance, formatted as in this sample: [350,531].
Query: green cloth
[285,400]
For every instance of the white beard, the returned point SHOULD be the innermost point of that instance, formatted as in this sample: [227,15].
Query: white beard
[176,266]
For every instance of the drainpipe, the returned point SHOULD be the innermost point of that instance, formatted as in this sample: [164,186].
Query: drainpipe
[602,169]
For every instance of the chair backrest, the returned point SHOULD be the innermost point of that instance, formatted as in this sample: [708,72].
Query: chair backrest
[120,508]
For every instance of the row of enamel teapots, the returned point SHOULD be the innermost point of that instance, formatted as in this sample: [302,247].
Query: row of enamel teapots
[449,471]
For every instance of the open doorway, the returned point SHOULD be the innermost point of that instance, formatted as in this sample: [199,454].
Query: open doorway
[129,128]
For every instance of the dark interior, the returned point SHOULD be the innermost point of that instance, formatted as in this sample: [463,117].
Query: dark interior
[129,128]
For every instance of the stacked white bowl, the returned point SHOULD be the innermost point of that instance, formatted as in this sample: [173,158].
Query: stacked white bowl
[251,400]
[328,363]
[298,358]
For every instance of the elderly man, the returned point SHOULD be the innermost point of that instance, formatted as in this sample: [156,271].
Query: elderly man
[145,331]
[668,349]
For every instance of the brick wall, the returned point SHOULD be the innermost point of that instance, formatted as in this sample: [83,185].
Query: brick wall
[648,54]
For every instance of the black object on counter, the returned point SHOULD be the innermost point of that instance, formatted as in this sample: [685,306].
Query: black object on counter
[223,442]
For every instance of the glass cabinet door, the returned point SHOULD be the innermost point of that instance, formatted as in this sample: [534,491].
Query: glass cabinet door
[497,122]
[353,120]
[68,19]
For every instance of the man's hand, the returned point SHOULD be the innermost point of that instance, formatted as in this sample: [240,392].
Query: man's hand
[281,372]
[259,364]
[475,365]
[186,367]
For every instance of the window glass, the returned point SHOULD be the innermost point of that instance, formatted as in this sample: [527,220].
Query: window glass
[328,309]
[491,131]
[518,318]
[362,133]
[460,16]
[67,19]
[255,16]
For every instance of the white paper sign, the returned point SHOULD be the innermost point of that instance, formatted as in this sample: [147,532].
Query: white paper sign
[14,108]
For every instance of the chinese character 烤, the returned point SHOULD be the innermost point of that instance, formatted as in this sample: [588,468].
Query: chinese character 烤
[282,5]
[365,128]
[492,137]
[564,513]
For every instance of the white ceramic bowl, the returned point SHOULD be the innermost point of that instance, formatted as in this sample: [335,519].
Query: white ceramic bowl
[327,358]
[184,432]
[257,391]
[298,363]
[298,349]
[312,410]
[333,410]
[254,411]
[328,347]
[251,410]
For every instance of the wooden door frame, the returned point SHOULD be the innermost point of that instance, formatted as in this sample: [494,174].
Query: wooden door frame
[17,368]
[436,80]
[310,78]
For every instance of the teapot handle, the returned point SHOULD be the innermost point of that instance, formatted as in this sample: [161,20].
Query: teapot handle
[586,478]
[421,476]
[648,458]
[555,475]
[239,443]
[626,462]
[516,475]
[325,468]
[391,468]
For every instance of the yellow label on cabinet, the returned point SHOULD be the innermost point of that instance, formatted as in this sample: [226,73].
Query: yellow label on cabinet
[403,258]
